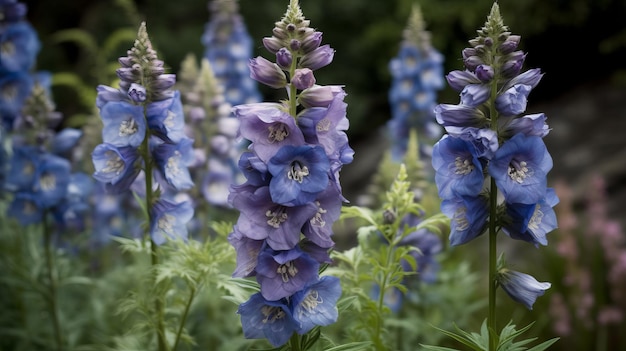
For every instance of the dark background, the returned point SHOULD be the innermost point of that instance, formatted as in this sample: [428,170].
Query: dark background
[579,44]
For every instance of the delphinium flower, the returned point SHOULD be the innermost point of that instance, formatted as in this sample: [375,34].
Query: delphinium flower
[292,194]
[40,175]
[145,150]
[213,127]
[417,74]
[19,46]
[228,47]
[491,166]
[143,131]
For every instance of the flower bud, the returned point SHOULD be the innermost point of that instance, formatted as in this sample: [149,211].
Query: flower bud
[468,52]
[459,79]
[484,73]
[472,62]
[319,96]
[137,93]
[279,33]
[509,45]
[272,44]
[303,78]
[268,73]
[318,58]
[513,65]
[311,42]
[294,44]
[284,58]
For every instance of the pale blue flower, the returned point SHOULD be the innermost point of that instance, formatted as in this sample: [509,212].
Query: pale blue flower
[521,287]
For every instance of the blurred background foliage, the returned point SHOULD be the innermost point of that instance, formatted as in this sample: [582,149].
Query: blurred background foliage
[575,42]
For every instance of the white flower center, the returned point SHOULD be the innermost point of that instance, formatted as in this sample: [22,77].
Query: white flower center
[7,48]
[48,182]
[172,164]
[128,127]
[460,217]
[272,313]
[276,218]
[170,119]
[462,166]
[166,224]
[297,172]
[287,271]
[317,220]
[535,219]
[114,163]
[310,302]
[277,132]
[519,171]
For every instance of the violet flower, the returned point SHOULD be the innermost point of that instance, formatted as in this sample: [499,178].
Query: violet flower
[292,193]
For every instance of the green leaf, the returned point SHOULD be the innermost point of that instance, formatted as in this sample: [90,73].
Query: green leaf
[437,348]
[465,339]
[80,37]
[358,212]
[353,346]
[544,345]
[117,38]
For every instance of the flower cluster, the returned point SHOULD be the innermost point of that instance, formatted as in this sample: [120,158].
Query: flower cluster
[143,126]
[19,46]
[228,49]
[39,175]
[490,141]
[292,195]
[417,74]
[213,127]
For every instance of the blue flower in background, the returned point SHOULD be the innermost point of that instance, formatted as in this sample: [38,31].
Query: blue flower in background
[20,46]
[417,74]
[116,167]
[228,48]
[169,221]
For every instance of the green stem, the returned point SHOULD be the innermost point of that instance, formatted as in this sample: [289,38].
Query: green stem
[192,294]
[292,88]
[493,231]
[52,284]
[154,254]
[491,319]
[295,342]
[381,298]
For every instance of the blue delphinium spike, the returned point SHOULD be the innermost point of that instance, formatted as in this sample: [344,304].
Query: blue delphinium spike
[228,47]
[417,75]
[292,193]
[144,126]
[489,133]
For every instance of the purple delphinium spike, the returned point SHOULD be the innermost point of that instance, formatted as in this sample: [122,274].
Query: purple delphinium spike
[292,193]
[228,47]
[417,74]
[144,127]
[506,147]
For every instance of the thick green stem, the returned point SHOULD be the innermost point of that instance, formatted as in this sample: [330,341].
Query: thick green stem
[293,103]
[493,231]
[52,285]
[491,319]
[192,295]
[154,254]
